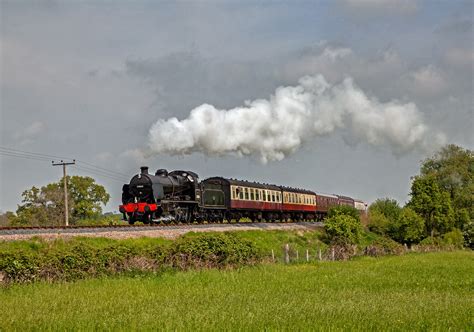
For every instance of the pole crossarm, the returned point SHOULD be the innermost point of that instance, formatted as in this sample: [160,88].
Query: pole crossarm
[66,209]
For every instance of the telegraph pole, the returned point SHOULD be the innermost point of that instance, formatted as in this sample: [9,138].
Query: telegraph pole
[64,164]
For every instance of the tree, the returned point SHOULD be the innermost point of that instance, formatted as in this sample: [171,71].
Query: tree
[87,196]
[386,206]
[383,214]
[378,223]
[7,218]
[45,205]
[453,170]
[433,204]
[408,228]
[343,229]
[41,206]
[344,210]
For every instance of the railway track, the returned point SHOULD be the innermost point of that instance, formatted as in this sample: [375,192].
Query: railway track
[34,230]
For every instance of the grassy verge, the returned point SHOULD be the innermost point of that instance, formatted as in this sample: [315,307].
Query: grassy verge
[432,291]
[76,258]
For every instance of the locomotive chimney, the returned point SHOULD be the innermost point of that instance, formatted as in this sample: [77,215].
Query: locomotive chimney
[144,170]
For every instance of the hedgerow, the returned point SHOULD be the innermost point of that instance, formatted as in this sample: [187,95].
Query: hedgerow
[79,258]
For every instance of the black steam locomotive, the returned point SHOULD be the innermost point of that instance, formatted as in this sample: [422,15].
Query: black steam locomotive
[149,197]
[179,196]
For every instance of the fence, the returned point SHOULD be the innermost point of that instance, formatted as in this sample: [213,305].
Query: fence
[289,254]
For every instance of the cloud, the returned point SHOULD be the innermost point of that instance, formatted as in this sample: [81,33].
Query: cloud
[460,57]
[31,132]
[428,80]
[377,7]
[294,115]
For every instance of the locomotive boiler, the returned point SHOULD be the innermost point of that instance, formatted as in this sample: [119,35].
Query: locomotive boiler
[152,196]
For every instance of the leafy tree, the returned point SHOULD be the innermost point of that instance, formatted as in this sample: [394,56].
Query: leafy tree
[408,228]
[378,222]
[453,170]
[87,196]
[343,229]
[383,214]
[41,206]
[433,204]
[45,205]
[468,234]
[344,210]
[387,207]
[7,218]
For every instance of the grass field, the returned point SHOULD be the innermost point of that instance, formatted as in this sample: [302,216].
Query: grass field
[411,292]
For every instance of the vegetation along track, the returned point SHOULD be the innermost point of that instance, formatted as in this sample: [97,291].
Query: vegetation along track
[161,230]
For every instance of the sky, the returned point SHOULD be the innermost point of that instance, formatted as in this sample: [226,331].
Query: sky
[342,97]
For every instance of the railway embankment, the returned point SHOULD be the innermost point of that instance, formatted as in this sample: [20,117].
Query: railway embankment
[157,231]
[72,258]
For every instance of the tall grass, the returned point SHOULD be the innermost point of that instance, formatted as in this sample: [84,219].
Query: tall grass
[412,292]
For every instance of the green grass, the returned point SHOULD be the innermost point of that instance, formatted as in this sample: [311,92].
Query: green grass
[411,292]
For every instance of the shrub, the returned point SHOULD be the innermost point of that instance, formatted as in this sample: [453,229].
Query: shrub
[454,238]
[345,211]
[73,259]
[343,229]
[468,234]
[26,261]
[378,222]
[408,228]
[383,246]
[212,250]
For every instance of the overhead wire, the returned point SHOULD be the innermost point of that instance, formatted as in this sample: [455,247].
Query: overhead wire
[87,167]
[91,171]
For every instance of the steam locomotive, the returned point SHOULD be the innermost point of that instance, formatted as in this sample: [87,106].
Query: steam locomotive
[179,196]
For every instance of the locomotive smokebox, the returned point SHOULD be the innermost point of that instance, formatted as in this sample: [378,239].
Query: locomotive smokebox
[144,170]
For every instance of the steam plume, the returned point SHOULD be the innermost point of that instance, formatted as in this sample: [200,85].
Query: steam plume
[275,128]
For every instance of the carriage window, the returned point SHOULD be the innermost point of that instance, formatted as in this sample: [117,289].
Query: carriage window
[264,197]
[252,194]
[278,197]
[257,195]
[246,190]
[241,193]
[273,196]
[268,196]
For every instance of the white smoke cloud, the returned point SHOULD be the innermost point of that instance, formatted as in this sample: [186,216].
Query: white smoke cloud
[275,128]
